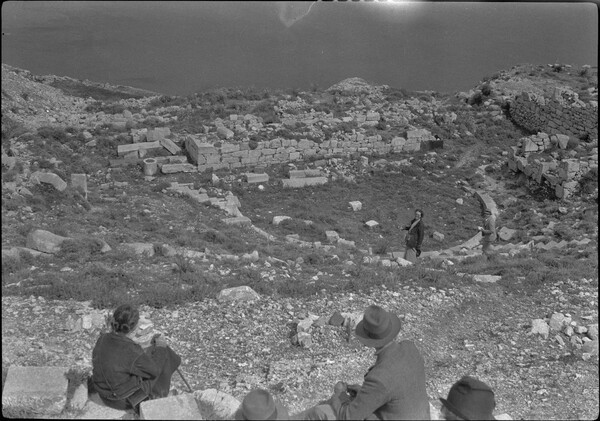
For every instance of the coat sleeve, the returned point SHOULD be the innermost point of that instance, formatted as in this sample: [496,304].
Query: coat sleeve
[144,367]
[369,398]
[489,226]
[420,234]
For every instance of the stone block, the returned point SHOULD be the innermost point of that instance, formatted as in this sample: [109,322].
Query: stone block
[216,405]
[175,168]
[303,182]
[132,147]
[198,149]
[346,243]
[279,219]
[472,242]
[38,390]
[79,181]
[256,178]
[44,241]
[179,407]
[486,278]
[356,205]
[146,249]
[49,178]
[224,133]
[95,409]
[332,236]
[562,140]
[238,220]
[169,145]
[297,174]
[230,148]
[242,293]
[506,233]
[371,224]
[437,236]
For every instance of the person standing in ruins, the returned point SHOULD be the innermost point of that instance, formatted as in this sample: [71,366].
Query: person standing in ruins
[488,231]
[414,237]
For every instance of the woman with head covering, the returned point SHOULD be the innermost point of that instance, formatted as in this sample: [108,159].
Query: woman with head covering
[414,237]
[488,231]
[123,373]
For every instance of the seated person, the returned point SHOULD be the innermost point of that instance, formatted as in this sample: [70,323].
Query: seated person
[123,373]
[394,388]
[469,399]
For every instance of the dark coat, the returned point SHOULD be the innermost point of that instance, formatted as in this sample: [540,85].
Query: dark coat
[489,229]
[414,237]
[393,389]
[121,367]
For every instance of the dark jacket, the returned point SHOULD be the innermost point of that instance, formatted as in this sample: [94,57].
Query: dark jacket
[393,389]
[414,237]
[489,228]
[120,366]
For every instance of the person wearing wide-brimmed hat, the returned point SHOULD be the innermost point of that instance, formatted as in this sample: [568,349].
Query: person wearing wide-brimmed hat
[393,388]
[469,399]
[258,404]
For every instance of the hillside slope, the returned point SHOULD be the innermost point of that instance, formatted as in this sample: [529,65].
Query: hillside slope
[190,252]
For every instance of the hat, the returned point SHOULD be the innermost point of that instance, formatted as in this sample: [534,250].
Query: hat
[260,405]
[378,327]
[470,399]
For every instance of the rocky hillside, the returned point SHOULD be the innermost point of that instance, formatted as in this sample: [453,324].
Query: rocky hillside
[259,285]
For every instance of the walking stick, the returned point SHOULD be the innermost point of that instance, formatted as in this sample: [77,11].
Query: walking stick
[153,341]
[184,380]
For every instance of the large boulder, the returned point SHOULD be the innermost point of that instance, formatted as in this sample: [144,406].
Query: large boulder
[45,241]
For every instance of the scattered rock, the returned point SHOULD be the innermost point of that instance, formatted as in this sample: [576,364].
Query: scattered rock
[145,249]
[540,327]
[556,322]
[590,347]
[242,293]
[371,224]
[437,236]
[336,319]
[592,331]
[506,233]
[356,205]
[279,219]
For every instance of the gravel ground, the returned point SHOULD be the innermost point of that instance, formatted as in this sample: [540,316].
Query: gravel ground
[235,347]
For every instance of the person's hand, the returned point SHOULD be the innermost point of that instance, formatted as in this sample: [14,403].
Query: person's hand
[480,228]
[158,340]
[339,388]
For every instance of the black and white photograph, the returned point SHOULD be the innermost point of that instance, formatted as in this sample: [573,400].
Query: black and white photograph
[300,210]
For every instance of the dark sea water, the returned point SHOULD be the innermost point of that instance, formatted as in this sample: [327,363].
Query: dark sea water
[178,48]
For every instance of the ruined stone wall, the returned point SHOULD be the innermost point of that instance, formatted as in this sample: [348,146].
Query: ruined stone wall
[563,113]
[218,155]
[562,175]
